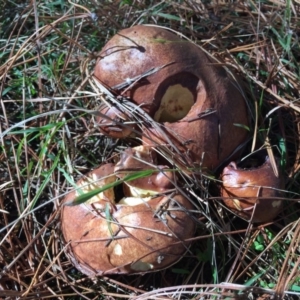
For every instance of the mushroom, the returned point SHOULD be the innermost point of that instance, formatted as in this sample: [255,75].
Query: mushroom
[198,105]
[252,193]
[138,234]
[114,122]
[143,158]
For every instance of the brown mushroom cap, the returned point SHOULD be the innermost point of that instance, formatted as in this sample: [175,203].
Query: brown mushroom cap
[198,103]
[244,190]
[110,238]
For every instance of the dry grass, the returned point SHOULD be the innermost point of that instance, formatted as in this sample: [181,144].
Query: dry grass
[48,139]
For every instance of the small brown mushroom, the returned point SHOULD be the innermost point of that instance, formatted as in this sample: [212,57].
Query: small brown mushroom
[142,234]
[198,104]
[114,123]
[252,193]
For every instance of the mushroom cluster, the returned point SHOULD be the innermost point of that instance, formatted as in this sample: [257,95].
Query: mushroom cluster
[195,112]
[143,228]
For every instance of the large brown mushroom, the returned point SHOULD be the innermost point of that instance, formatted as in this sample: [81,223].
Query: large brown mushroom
[252,193]
[197,102]
[110,235]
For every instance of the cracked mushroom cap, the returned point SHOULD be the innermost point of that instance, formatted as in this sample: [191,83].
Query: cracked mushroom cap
[110,237]
[198,104]
[252,192]
[143,158]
